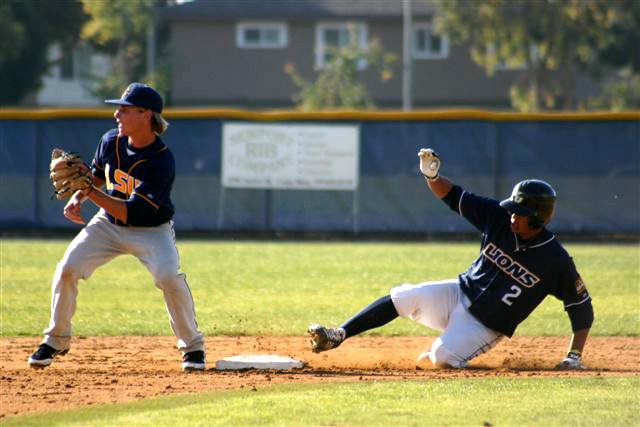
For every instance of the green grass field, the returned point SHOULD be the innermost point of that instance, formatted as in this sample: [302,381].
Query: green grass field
[497,401]
[250,288]
[272,288]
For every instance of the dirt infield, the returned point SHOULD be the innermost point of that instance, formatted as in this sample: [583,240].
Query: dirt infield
[122,369]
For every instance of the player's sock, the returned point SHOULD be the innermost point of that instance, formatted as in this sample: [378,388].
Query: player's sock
[376,314]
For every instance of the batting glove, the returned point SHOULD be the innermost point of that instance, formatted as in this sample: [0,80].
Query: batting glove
[573,361]
[429,163]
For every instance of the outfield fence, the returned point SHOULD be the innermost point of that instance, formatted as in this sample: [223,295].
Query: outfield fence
[592,159]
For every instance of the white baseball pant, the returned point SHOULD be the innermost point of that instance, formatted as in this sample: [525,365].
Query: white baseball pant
[101,241]
[442,305]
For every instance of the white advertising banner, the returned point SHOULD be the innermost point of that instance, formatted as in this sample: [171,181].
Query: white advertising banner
[290,156]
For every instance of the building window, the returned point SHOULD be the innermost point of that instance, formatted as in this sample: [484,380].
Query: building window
[333,36]
[427,44]
[262,35]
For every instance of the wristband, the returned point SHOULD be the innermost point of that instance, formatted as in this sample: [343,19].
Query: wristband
[435,178]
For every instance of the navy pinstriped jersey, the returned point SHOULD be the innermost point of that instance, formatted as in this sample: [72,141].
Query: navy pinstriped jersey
[510,278]
[143,177]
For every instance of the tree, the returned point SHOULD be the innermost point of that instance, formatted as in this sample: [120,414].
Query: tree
[622,93]
[621,52]
[553,39]
[27,29]
[337,84]
[120,28]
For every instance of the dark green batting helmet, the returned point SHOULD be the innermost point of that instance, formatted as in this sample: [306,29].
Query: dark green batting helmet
[534,199]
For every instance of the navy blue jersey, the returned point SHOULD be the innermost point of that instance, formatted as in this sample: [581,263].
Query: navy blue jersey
[143,177]
[510,278]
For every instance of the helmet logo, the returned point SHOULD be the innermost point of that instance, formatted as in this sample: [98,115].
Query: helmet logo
[127,92]
[518,198]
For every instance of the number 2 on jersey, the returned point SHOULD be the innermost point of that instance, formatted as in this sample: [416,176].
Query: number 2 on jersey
[510,296]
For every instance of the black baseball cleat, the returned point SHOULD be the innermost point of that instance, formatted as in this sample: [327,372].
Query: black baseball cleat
[44,355]
[323,339]
[194,361]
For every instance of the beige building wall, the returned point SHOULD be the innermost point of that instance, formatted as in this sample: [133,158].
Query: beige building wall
[210,69]
[452,81]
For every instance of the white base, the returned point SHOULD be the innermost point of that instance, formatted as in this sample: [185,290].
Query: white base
[259,361]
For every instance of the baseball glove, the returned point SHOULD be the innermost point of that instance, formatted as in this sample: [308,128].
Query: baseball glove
[68,173]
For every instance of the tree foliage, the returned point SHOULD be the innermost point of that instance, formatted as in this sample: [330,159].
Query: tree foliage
[622,53]
[554,41]
[120,28]
[337,84]
[27,30]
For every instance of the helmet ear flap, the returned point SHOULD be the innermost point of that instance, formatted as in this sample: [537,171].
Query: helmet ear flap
[535,222]
[542,213]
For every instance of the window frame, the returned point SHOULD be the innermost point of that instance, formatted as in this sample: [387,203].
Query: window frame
[243,26]
[320,45]
[428,27]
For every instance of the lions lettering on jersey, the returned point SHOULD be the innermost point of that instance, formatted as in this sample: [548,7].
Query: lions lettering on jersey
[124,183]
[509,266]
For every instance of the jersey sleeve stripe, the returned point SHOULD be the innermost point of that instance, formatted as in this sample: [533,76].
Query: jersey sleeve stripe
[460,203]
[586,298]
[147,199]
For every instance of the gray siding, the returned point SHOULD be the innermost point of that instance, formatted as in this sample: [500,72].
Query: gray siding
[209,69]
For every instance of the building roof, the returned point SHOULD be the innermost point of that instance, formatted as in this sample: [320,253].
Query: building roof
[295,9]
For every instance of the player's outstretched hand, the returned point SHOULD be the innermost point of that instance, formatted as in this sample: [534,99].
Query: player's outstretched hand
[429,163]
[573,361]
[72,210]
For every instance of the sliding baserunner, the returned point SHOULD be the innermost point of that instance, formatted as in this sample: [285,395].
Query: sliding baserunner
[520,263]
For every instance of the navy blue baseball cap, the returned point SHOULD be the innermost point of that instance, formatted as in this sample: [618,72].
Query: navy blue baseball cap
[140,95]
